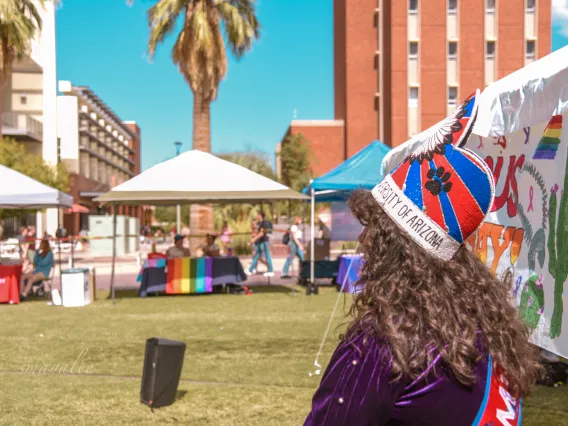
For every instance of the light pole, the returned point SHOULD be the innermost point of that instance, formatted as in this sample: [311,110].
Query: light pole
[178,215]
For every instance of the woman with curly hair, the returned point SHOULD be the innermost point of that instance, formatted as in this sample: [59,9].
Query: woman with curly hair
[434,338]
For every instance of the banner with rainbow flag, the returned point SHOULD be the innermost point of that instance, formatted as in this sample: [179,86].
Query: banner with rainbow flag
[526,234]
[189,275]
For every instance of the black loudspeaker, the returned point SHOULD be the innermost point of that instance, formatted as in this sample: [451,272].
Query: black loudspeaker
[163,362]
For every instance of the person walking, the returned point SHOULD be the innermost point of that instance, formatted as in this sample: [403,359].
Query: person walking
[261,244]
[295,245]
[254,233]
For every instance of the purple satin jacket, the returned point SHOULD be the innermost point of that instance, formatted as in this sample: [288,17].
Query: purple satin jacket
[357,389]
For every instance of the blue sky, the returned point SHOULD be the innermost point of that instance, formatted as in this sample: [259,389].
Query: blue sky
[102,44]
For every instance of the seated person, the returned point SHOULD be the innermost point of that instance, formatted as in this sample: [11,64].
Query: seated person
[43,262]
[210,249]
[178,250]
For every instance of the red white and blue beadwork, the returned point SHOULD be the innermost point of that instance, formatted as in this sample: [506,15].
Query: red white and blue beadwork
[441,193]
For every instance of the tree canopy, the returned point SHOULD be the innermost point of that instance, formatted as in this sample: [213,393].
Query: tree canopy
[15,156]
[295,156]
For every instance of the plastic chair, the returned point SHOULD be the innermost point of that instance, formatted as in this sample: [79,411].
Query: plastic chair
[41,285]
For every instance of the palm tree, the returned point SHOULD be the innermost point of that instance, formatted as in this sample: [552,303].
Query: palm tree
[200,55]
[200,52]
[20,21]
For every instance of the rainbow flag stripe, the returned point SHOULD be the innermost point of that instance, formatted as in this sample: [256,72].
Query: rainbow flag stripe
[189,275]
[548,144]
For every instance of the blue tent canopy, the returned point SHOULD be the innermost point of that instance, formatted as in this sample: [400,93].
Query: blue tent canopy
[361,171]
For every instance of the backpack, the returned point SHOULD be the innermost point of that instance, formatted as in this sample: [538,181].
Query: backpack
[268,230]
[286,238]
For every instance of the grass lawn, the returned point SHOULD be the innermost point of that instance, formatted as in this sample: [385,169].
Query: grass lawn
[247,360]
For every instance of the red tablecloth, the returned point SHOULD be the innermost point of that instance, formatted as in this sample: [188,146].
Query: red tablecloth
[10,283]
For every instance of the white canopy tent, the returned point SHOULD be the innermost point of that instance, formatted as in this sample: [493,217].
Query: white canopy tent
[195,177]
[19,191]
[198,177]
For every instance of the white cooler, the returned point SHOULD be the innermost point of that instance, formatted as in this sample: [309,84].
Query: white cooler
[75,287]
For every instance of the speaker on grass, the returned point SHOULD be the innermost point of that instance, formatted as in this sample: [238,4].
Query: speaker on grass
[163,362]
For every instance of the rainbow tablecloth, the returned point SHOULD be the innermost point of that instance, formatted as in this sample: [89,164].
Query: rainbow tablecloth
[189,275]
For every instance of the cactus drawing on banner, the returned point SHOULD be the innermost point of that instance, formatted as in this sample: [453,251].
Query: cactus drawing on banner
[536,240]
[531,306]
[558,250]
[531,169]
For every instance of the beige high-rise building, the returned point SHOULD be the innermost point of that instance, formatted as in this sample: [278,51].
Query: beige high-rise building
[99,149]
[29,102]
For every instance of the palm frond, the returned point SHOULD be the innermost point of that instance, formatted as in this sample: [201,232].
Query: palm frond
[241,24]
[199,51]
[20,22]
[247,9]
[162,18]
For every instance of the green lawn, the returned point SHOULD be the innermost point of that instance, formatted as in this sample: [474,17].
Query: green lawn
[247,361]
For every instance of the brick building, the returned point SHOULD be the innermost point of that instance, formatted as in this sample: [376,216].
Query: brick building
[401,66]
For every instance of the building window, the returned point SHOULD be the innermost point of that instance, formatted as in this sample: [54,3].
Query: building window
[452,49]
[530,49]
[413,97]
[452,7]
[490,50]
[452,96]
[530,6]
[490,6]
[413,6]
[413,50]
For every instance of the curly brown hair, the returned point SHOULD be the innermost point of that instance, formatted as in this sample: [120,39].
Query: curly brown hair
[416,302]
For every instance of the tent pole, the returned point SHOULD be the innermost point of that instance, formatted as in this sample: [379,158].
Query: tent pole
[312,220]
[72,251]
[304,222]
[115,209]
[58,235]
[178,219]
